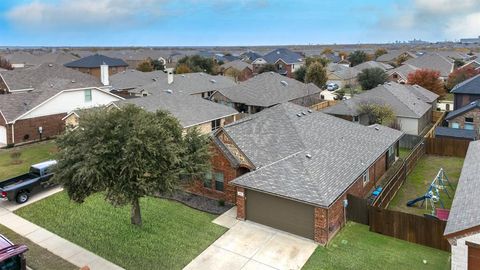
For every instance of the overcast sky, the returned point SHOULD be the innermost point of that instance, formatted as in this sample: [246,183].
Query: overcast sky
[233,22]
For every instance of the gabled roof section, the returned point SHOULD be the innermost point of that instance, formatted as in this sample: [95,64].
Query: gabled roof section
[189,110]
[457,133]
[399,97]
[268,89]
[288,56]
[237,64]
[465,211]
[95,61]
[422,93]
[293,157]
[433,61]
[470,86]
[403,70]
[133,78]
[373,64]
[472,105]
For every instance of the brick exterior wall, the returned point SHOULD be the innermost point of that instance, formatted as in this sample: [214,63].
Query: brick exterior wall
[219,164]
[240,202]
[461,100]
[474,113]
[52,126]
[321,227]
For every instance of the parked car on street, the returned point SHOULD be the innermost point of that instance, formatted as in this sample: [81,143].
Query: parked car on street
[12,256]
[332,86]
[20,187]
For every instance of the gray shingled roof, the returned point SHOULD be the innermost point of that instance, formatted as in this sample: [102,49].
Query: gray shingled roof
[237,64]
[403,70]
[95,61]
[433,61]
[422,93]
[277,141]
[268,89]
[472,105]
[470,86]
[189,83]
[288,56]
[189,110]
[456,133]
[133,78]
[465,211]
[403,101]
[47,74]
[46,81]
[373,64]
[392,55]
[343,72]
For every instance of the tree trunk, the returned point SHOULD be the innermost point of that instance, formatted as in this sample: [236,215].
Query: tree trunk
[136,217]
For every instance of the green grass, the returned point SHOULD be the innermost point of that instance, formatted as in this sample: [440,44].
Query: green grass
[171,236]
[420,179]
[355,247]
[29,154]
[38,258]
[404,152]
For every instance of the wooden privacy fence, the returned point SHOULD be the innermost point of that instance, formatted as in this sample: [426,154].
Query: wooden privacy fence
[357,209]
[322,105]
[392,185]
[437,119]
[408,227]
[446,147]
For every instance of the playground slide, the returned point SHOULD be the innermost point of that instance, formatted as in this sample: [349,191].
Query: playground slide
[414,201]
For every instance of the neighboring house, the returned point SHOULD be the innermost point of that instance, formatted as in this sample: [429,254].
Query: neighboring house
[373,64]
[250,56]
[283,170]
[23,59]
[240,69]
[286,61]
[409,103]
[200,84]
[455,133]
[266,90]
[433,61]
[474,64]
[39,98]
[92,65]
[130,79]
[470,40]
[191,111]
[467,117]
[466,92]
[342,75]
[400,74]
[463,225]
[392,57]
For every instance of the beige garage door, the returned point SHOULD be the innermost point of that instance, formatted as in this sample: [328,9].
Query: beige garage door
[279,213]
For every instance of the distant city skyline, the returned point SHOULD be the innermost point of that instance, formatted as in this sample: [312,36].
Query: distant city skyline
[233,22]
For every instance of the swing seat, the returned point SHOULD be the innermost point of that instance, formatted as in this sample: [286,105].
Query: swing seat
[442,214]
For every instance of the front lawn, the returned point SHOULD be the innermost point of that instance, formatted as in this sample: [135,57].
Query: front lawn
[37,257]
[421,177]
[171,236]
[355,247]
[11,166]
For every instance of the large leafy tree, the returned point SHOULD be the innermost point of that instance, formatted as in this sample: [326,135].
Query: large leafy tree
[371,77]
[145,66]
[377,113]
[428,79]
[127,154]
[460,75]
[316,74]
[5,64]
[197,63]
[379,52]
[267,68]
[299,74]
[357,57]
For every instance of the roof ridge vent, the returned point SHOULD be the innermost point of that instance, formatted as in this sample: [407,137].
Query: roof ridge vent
[299,114]
[213,81]
[304,113]
[377,128]
[308,156]
[169,91]
[309,111]
[73,81]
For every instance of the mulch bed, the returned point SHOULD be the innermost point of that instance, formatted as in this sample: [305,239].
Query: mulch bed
[198,202]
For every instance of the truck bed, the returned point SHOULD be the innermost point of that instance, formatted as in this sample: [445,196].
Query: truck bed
[12,182]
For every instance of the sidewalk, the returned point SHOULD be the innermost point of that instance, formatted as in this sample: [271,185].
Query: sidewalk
[54,243]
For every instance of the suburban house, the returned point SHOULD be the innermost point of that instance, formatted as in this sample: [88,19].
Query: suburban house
[92,65]
[200,84]
[282,169]
[412,106]
[191,111]
[266,90]
[433,61]
[238,69]
[456,133]
[400,74]
[341,75]
[336,58]
[393,57]
[467,117]
[130,79]
[24,59]
[466,92]
[373,64]
[463,225]
[286,61]
[38,99]
[474,64]
[250,56]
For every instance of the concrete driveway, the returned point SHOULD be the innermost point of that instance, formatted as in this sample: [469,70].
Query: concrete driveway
[249,245]
[12,206]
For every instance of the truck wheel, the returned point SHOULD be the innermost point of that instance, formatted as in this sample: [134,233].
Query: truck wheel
[22,197]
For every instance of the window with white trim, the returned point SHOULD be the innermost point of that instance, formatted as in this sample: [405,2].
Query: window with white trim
[366,178]
[88,95]
[455,125]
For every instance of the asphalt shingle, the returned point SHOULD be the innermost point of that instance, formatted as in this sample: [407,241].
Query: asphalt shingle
[95,61]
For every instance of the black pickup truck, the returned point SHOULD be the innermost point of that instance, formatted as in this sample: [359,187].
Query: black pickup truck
[20,187]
